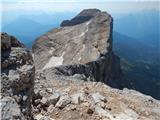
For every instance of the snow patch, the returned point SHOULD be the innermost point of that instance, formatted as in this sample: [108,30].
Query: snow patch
[32,55]
[79,59]
[87,25]
[88,22]
[83,46]
[83,33]
[51,50]
[54,61]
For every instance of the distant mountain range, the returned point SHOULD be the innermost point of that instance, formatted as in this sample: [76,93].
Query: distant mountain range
[134,50]
[26,30]
[143,26]
[29,27]
[136,40]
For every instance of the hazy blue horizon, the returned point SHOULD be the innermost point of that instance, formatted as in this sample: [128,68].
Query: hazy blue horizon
[11,10]
[57,17]
[37,17]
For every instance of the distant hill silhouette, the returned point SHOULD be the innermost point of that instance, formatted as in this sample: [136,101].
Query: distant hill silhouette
[139,62]
[143,26]
[133,49]
[26,30]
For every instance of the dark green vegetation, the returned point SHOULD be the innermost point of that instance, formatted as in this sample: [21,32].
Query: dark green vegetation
[145,77]
[140,64]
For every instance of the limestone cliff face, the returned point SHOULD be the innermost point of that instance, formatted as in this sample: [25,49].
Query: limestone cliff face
[17,79]
[84,46]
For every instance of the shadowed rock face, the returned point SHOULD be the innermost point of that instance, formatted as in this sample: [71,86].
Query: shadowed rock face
[82,17]
[85,45]
[17,79]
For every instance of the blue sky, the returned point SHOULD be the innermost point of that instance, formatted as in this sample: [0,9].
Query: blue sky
[9,1]
[121,6]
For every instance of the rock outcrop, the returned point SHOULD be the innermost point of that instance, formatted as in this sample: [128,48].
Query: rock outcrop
[68,58]
[17,79]
[82,45]
[73,98]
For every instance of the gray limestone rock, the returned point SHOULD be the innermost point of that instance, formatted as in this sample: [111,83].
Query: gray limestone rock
[53,99]
[80,43]
[17,77]
[77,98]
[83,46]
[97,97]
[63,102]
[10,109]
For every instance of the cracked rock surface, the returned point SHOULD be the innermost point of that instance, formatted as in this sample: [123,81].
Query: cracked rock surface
[17,79]
[73,99]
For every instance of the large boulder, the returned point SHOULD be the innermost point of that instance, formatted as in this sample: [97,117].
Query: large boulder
[83,45]
[17,79]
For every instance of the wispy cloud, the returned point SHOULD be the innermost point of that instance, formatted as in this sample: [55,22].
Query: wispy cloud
[75,5]
[69,1]
[46,1]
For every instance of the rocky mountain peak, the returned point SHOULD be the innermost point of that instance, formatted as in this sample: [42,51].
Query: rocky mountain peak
[90,39]
[89,12]
[85,47]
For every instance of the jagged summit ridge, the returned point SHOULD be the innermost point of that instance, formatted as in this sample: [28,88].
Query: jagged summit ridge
[82,17]
[80,43]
